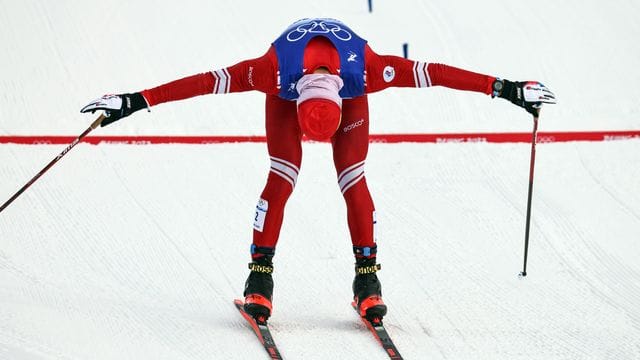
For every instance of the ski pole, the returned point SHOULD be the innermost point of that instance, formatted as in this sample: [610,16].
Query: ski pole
[55,160]
[531,166]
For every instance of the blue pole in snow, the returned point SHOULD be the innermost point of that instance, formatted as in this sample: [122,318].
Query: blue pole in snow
[370,5]
[405,50]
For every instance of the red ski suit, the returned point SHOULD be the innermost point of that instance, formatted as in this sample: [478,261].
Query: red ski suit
[350,142]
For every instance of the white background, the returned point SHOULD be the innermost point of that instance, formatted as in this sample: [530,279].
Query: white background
[136,252]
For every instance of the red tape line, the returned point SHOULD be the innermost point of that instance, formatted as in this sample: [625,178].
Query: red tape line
[543,137]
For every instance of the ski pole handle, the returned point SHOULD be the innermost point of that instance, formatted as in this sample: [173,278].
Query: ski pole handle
[95,123]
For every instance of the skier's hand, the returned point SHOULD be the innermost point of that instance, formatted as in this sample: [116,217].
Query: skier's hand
[116,106]
[529,95]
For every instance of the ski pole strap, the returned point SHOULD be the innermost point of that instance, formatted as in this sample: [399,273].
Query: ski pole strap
[255,267]
[262,250]
[365,251]
[361,270]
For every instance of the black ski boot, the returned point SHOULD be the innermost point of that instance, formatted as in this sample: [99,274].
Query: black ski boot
[258,289]
[367,291]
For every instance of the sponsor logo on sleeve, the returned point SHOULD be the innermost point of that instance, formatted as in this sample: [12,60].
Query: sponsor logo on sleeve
[250,76]
[353,125]
[388,74]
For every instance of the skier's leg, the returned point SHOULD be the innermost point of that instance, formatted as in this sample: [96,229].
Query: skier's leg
[285,151]
[350,147]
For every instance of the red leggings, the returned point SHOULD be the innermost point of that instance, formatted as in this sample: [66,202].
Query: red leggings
[350,144]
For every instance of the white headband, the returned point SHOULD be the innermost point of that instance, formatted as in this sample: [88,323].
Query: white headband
[319,86]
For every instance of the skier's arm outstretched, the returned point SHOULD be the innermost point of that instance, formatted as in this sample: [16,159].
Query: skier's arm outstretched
[254,74]
[384,71]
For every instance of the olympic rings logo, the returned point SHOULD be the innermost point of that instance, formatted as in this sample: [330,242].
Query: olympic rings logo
[321,27]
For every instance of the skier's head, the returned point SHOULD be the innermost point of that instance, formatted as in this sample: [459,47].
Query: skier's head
[319,105]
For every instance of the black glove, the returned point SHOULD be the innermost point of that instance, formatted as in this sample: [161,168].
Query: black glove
[529,95]
[116,106]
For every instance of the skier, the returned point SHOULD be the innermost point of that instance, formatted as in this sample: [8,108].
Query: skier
[316,76]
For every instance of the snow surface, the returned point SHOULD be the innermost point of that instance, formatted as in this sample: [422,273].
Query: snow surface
[136,252]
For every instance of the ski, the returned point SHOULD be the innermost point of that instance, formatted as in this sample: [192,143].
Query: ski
[380,333]
[261,329]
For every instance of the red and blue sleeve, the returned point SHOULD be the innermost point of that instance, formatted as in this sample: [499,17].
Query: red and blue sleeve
[255,74]
[384,71]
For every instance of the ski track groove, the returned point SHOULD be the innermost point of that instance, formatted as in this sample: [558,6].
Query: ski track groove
[578,263]
[609,191]
[470,306]
[165,235]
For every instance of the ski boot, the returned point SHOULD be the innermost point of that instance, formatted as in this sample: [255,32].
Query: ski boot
[367,291]
[258,289]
